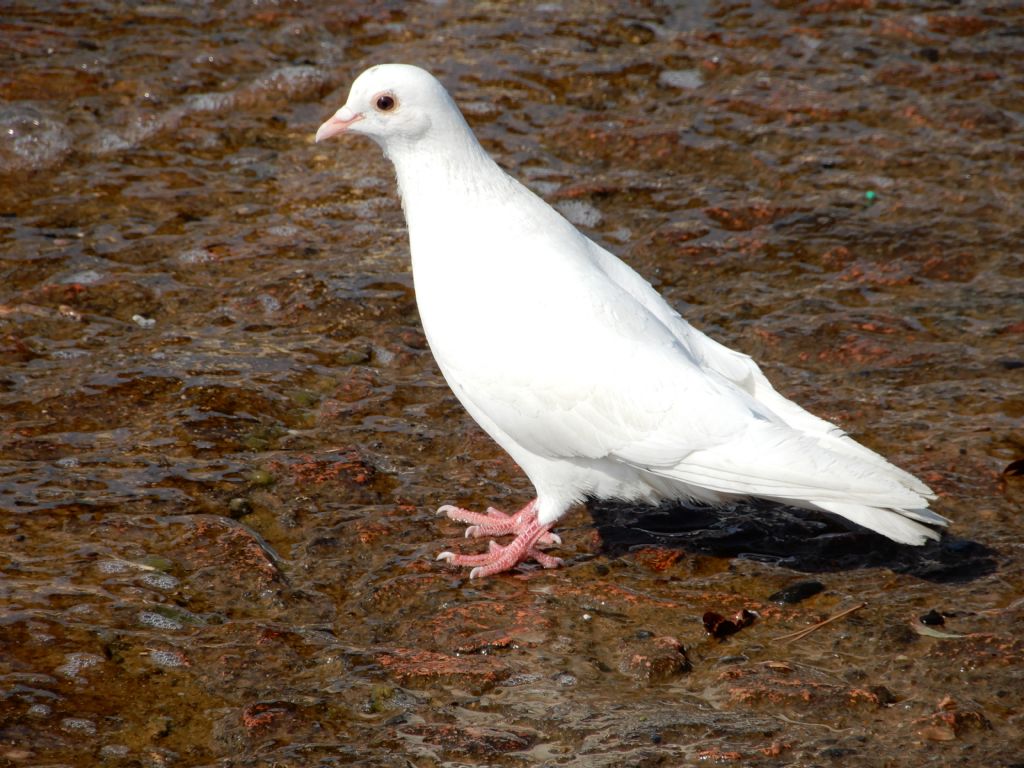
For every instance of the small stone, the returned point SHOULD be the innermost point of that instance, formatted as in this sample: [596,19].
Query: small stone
[565,680]
[158,621]
[86,277]
[76,662]
[684,79]
[162,581]
[114,751]
[260,477]
[169,659]
[580,213]
[653,660]
[239,507]
[195,256]
[78,725]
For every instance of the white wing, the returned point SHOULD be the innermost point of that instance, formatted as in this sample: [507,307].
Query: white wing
[742,371]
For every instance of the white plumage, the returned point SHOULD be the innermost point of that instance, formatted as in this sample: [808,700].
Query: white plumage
[576,366]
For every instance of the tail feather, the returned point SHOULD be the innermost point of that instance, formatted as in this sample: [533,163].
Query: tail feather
[777,463]
[892,523]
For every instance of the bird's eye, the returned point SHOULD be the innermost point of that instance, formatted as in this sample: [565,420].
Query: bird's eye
[386,102]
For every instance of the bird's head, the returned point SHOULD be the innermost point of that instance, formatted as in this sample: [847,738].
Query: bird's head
[392,103]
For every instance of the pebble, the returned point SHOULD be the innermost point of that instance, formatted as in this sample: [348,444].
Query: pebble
[168,659]
[86,277]
[580,213]
[158,621]
[161,581]
[78,725]
[684,79]
[76,662]
[195,256]
[239,507]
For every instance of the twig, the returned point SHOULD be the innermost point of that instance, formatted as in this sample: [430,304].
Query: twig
[800,634]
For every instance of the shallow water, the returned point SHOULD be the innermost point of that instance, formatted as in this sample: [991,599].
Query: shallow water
[222,436]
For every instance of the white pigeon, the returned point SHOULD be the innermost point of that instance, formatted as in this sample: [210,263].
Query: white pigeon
[577,367]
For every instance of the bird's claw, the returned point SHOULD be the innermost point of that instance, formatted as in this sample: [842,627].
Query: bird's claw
[494,522]
[528,534]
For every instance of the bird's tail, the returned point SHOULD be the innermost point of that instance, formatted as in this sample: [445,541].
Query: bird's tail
[815,472]
[900,525]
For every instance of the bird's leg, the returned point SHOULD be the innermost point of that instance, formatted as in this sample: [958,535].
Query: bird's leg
[499,558]
[496,523]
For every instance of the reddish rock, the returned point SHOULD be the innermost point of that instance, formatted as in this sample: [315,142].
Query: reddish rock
[658,559]
[480,626]
[772,685]
[263,715]
[741,219]
[415,667]
[951,722]
[653,660]
[219,541]
[475,740]
[982,650]
[347,466]
[960,26]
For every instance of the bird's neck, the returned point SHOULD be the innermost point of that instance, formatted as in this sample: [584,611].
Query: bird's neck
[446,177]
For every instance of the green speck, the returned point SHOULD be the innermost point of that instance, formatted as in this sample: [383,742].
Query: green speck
[303,398]
[870,196]
[379,697]
[261,437]
[260,477]
[157,563]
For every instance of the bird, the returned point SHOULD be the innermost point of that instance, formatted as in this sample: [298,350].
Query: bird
[577,367]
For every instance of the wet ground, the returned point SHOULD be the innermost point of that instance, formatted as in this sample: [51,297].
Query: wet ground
[222,437]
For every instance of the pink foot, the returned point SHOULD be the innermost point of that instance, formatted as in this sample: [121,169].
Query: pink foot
[497,523]
[528,532]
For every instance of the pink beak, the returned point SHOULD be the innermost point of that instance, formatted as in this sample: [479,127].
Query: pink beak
[339,122]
